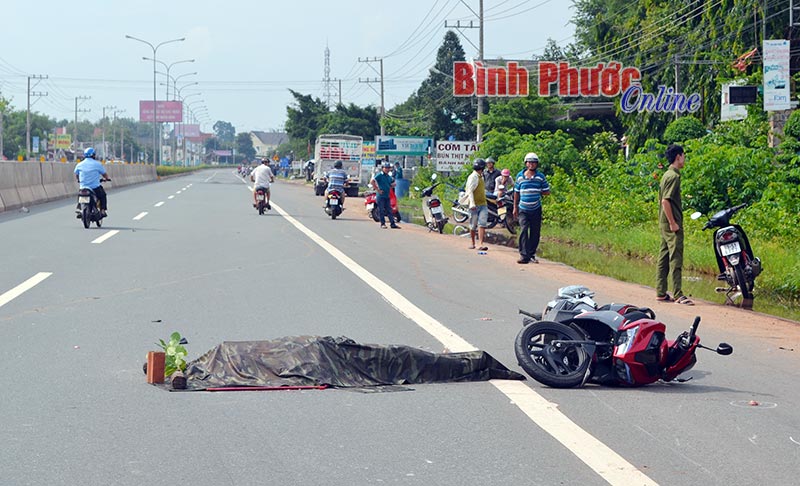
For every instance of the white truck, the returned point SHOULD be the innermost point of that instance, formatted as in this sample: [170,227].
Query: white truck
[330,148]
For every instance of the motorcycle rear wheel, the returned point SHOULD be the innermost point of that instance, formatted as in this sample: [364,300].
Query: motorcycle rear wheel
[744,286]
[261,206]
[87,221]
[441,224]
[562,367]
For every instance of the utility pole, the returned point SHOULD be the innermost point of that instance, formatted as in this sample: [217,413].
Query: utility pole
[459,26]
[83,110]
[114,136]
[375,80]
[105,156]
[28,116]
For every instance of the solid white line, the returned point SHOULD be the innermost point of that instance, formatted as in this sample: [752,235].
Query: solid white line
[140,216]
[603,460]
[170,197]
[210,177]
[158,204]
[24,286]
[106,236]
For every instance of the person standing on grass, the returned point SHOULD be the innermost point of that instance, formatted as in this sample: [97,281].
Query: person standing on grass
[529,188]
[670,225]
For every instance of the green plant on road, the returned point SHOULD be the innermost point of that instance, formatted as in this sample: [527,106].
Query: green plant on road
[175,354]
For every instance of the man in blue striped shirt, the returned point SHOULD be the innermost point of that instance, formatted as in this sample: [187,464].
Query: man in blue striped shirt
[529,188]
[337,180]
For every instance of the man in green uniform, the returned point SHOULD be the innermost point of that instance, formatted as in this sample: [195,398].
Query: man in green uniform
[670,224]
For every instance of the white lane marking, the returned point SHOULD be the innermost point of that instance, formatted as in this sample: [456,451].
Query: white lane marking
[178,192]
[140,216]
[158,204]
[211,177]
[171,197]
[106,236]
[599,457]
[24,286]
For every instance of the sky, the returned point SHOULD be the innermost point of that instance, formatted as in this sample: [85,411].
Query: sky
[247,54]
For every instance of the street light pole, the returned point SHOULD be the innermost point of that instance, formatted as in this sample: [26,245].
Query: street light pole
[105,155]
[157,151]
[167,67]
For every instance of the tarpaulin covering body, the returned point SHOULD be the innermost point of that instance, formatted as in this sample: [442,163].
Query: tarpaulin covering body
[338,362]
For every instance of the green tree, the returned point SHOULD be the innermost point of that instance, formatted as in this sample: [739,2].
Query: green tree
[352,120]
[683,129]
[244,146]
[446,114]
[306,117]
[225,132]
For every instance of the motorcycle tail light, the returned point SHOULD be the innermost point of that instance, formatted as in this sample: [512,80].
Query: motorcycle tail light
[435,204]
[727,236]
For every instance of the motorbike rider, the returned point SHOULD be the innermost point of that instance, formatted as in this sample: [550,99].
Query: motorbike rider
[490,174]
[504,180]
[261,177]
[90,173]
[337,180]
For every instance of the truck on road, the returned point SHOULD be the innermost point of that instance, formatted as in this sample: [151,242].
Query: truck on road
[332,147]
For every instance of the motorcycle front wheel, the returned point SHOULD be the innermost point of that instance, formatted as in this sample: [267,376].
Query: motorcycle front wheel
[460,230]
[459,214]
[562,366]
[374,214]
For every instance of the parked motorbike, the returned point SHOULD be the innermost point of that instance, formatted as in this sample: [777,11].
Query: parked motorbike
[737,265]
[505,209]
[616,344]
[333,207]
[371,205]
[89,207]
[261,201]
[432,209]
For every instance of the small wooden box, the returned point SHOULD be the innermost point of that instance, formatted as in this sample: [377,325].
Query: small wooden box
[155,366]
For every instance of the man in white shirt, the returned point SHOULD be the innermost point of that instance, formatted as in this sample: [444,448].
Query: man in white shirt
[261,178]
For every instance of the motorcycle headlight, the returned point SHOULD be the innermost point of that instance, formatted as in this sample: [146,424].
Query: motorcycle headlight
[625,339]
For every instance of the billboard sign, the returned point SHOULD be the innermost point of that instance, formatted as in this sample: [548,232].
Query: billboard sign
[166,111]
[776,75]
[727,110]
[390,145]
[368,154]
[451,156]
[188,130]
[63,141]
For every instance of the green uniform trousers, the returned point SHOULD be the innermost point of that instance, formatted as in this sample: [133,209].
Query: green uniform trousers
[670,262]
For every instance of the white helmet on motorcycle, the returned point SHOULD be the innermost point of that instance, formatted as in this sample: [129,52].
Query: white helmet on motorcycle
[531,157]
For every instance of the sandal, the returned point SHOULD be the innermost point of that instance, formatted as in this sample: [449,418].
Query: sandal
[471,247]
[664,298]
[483,248]
[684,300]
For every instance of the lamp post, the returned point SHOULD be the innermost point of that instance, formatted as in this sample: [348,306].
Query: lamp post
[167,67]
[156,151]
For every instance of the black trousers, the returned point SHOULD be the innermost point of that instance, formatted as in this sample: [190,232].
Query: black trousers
[530,229]
[385,206]
[100,193]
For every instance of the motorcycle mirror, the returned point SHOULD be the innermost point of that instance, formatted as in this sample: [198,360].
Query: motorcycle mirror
[724,349]
[434,176]
[696,215]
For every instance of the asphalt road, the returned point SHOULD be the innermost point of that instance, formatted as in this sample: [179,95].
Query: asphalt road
[75,408]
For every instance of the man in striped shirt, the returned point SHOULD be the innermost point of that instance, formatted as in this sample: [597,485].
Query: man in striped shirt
[337,180]
[529,188]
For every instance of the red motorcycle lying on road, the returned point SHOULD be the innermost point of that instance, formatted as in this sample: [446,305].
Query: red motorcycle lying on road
[617,344]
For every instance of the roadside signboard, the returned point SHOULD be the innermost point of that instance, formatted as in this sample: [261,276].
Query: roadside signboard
[776,75]
[63,141]
[391,145]
[451,156]
[167,111]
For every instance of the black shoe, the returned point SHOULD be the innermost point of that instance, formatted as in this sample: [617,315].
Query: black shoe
[79,216]
[534,260]
[269,206]
[523,261]
[394,226]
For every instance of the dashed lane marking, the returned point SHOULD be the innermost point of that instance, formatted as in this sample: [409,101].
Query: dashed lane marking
[104,237]
[140,216]
[23,287]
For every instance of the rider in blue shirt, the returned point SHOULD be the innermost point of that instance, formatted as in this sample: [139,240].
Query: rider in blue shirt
[89,174]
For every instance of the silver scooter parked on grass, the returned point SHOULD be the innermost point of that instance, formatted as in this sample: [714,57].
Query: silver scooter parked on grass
[432,209]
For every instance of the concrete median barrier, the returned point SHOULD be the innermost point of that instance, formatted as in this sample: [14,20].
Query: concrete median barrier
[32,182]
